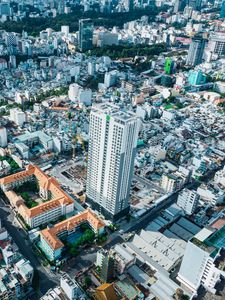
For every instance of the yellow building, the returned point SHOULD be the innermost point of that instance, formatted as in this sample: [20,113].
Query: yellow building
[105,291]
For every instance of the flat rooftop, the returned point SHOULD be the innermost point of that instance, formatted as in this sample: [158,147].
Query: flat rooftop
[217,239]
[202,245]
[114,111]
[127,289]
[32,135]
[163,250]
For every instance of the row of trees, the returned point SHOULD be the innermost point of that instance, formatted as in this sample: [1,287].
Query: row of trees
[29,104]
[125,51]
[50,93]
[35,25]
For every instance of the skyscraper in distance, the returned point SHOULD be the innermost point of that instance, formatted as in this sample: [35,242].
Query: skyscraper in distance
[179,5]
[85,34]
[113,135]
[222,10]
[129,5]
[195,4]
[196,51]
[5,9]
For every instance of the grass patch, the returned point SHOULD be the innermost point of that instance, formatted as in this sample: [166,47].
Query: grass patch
[169,106]
[28,201]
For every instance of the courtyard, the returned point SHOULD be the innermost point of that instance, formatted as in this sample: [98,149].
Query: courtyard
[29,191]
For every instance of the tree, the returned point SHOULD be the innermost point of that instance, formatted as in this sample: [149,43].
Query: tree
[128,217]
[73,250]
[34,25]
[69,115]
[179,294]
[87,281]
[36,280]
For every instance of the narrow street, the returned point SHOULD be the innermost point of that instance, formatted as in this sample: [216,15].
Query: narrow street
[47,280]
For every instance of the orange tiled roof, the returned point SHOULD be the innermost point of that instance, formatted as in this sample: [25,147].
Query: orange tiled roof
[218,101]
[14,199]
[51,234]
[105,291]
[46,206]
[58,108]
[44,181]
[219,223]
[18,176]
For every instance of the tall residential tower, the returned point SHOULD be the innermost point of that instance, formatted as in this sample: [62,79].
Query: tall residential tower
[85,34]
[196,51]
[113,135]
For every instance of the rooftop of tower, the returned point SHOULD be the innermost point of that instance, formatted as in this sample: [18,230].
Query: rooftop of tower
[114,111]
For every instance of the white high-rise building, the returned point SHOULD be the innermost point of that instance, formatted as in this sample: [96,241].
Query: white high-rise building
[73,91]
[17,116]
[84,96]
[91,68]
[113,137]
[188,201]
[110,78]
[198,266]
[65,29]
[3,137]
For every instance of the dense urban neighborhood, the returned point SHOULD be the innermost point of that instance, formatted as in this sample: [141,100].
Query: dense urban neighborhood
[112,149]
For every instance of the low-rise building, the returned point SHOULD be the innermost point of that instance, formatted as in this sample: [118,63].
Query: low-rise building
[164,251]
[50,238]
[16,277]
[4,167]
[71,288]
[123,259]
[105,291]
[57,204]
[30,141]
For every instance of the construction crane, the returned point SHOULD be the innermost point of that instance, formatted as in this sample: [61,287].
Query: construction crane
[74,142]
[78,139]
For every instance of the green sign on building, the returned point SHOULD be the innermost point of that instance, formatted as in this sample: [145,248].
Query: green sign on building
[168,66]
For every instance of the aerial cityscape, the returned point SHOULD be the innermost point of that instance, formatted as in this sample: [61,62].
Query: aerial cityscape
[112,149]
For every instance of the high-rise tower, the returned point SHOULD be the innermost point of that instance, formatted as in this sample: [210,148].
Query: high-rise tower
[196,51]
[85,34]
[113,137]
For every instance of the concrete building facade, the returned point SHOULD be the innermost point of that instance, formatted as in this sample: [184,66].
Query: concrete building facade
[112,147]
